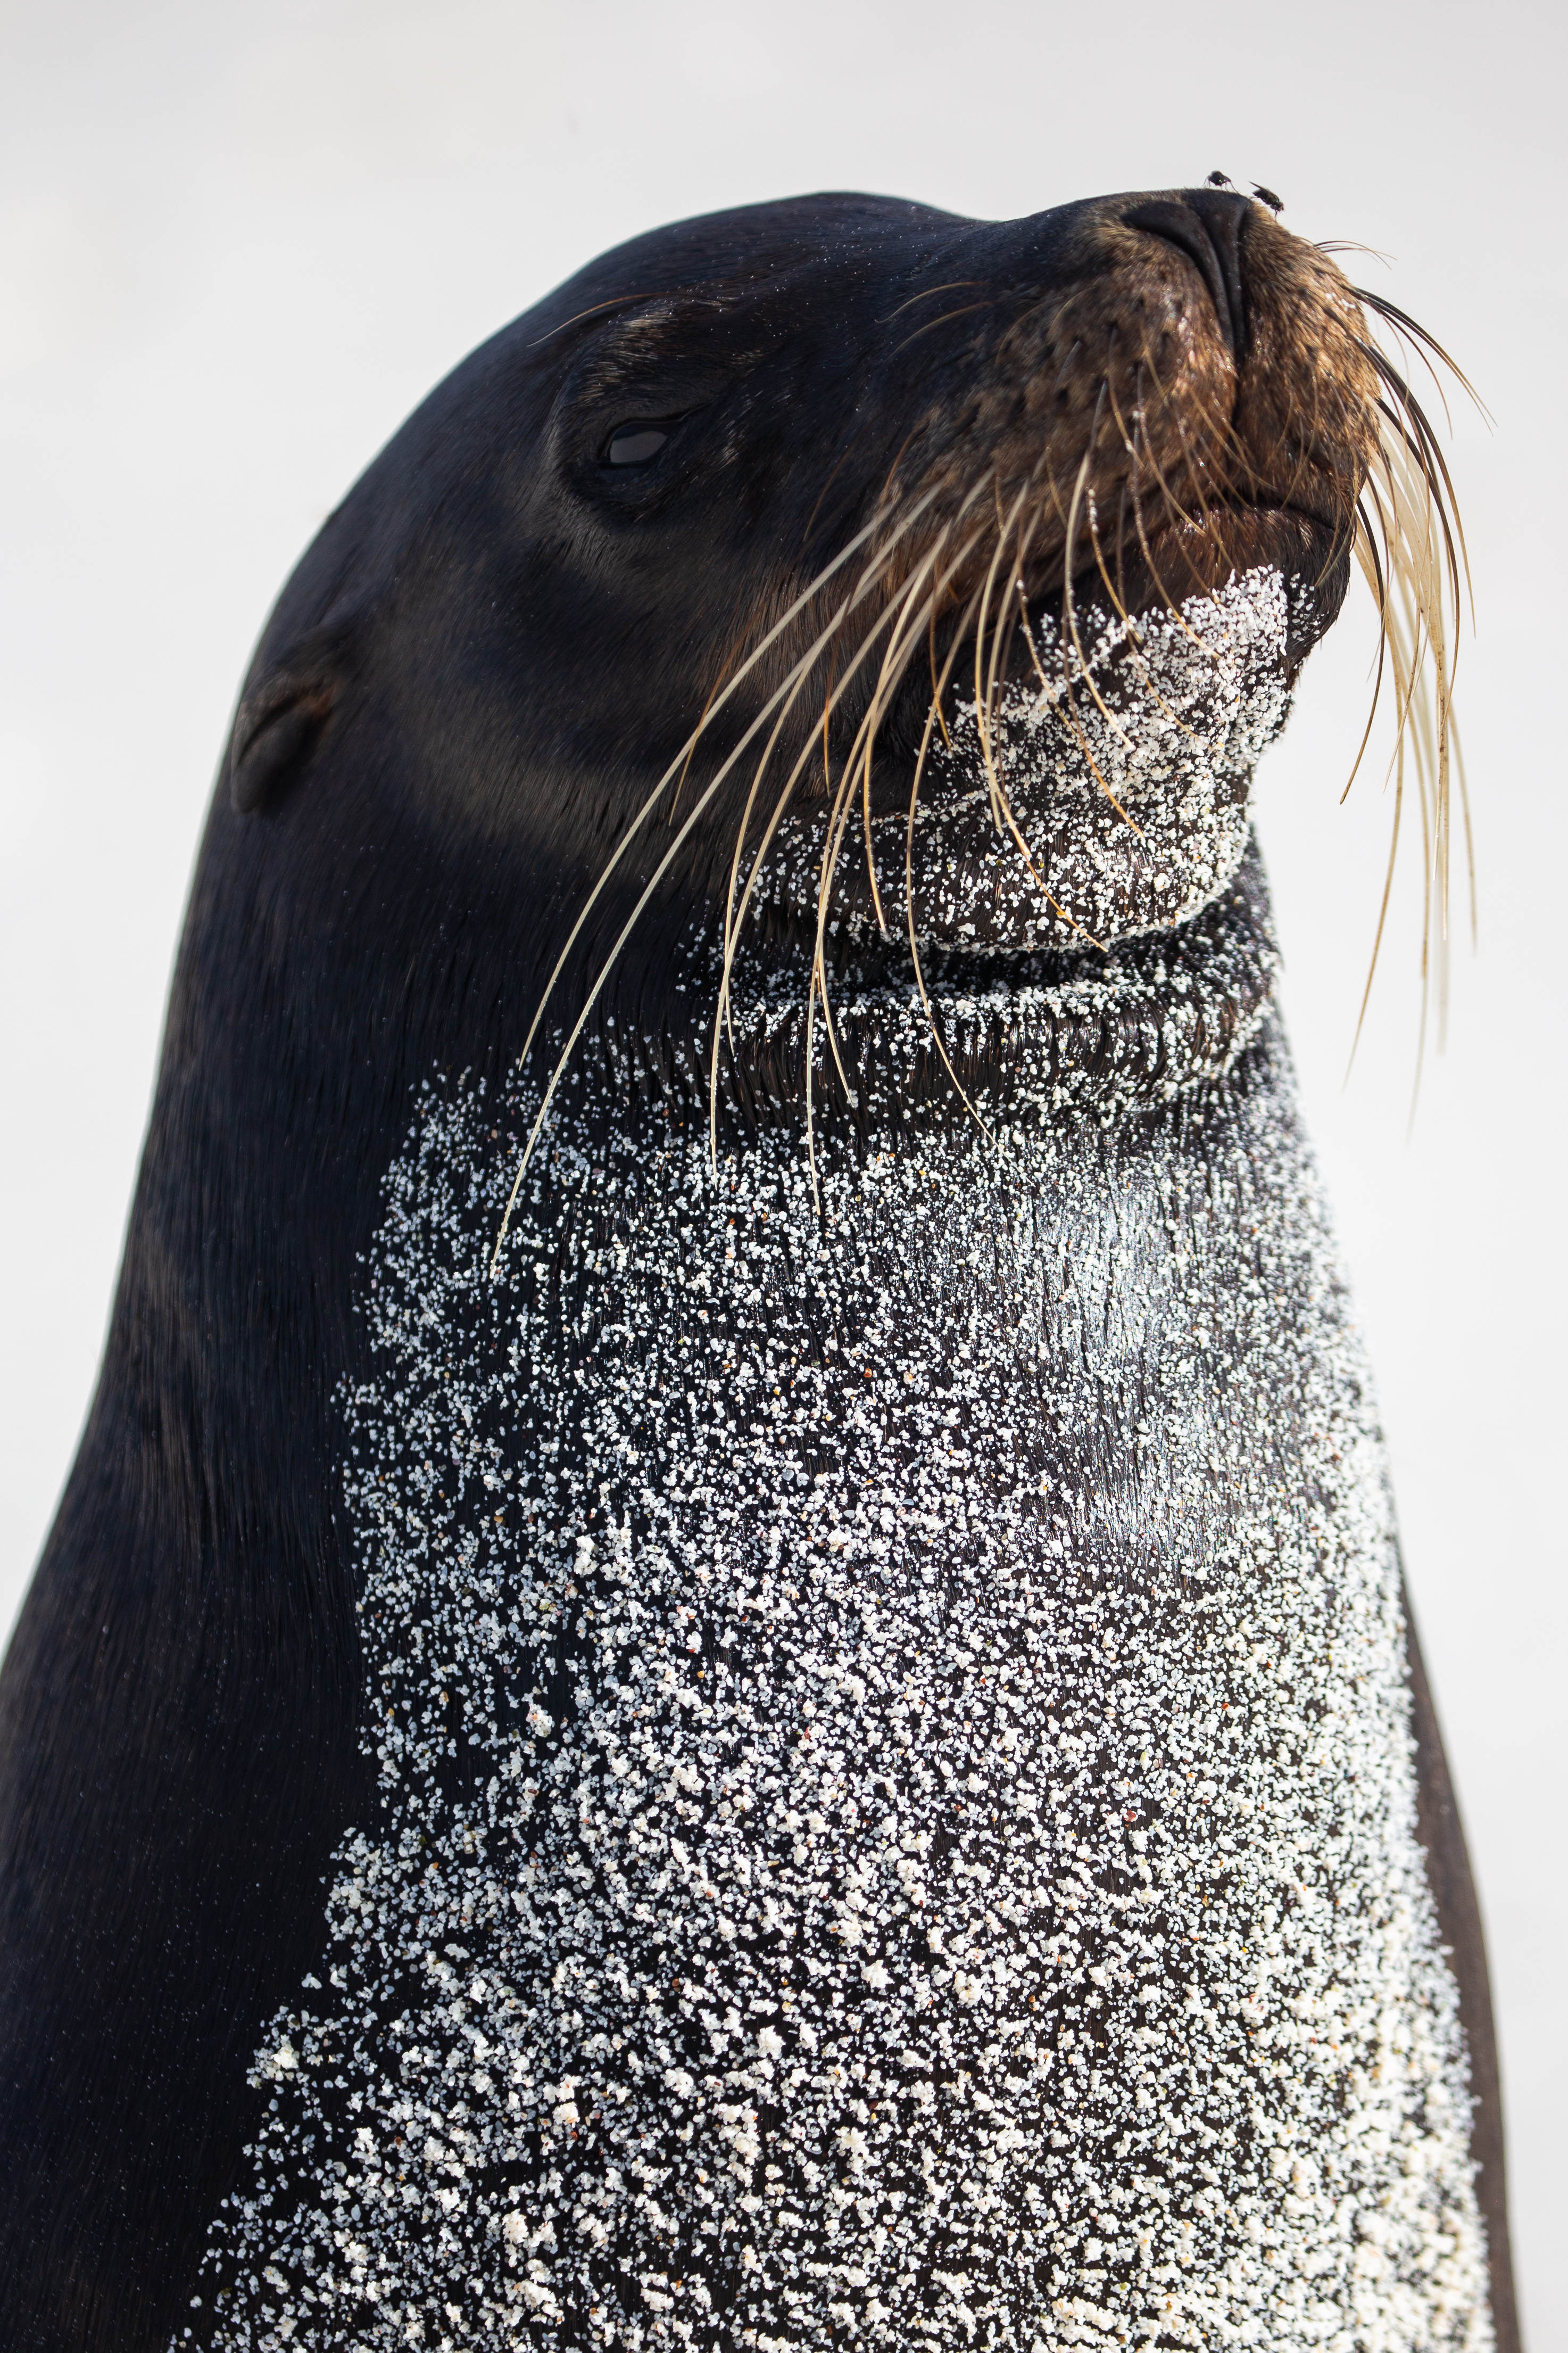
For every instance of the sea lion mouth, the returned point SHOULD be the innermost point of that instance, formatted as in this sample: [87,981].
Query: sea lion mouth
[1196,556]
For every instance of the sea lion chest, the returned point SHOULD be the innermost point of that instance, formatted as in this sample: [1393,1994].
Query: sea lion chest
[896,1806]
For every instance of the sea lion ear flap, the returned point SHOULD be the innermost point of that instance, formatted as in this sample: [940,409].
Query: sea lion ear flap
[279,718]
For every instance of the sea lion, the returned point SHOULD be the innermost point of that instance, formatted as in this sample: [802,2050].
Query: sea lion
[725,1663]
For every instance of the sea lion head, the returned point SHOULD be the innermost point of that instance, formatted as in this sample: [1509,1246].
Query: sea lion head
[992,550]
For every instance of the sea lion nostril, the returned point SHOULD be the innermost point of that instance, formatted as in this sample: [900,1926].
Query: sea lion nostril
[1206,226]
[1225,216]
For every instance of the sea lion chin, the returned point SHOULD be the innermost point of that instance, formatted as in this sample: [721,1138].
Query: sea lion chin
[726,1664]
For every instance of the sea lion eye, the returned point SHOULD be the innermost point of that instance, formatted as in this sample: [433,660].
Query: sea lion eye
[635,444]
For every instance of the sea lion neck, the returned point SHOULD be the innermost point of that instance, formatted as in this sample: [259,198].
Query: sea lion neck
[1043,1039]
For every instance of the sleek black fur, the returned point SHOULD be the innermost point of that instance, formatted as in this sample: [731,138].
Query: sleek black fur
[481,668]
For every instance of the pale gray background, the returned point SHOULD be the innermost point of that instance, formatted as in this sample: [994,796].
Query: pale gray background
[237,243]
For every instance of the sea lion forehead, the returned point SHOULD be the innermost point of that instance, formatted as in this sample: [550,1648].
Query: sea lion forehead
[841,260]
[749,248]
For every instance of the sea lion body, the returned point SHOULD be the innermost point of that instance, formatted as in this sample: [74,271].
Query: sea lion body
[798,1724]
[862,1841]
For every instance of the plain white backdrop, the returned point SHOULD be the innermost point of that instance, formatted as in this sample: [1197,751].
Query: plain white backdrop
[238,244]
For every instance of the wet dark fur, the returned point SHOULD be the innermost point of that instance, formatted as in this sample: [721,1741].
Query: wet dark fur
[478,671]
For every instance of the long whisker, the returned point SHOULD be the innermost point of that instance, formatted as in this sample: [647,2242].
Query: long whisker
[894,663]
[896,660]
[1421,447]
[929,326]
[712,712]
[1027,855]
[899,651]
[737,916]
[698,808]
[1139,450]
[927,294]
[1130,443]
[1172,500]
[1069,604]
[1364,547]
[1065,701]
[938,689]
[735,912]
[931,642]
[1382,919]
[1134,635]
[1417,587]
[660,871]
[1000,799]
[981,713]
[1001,628]
[938,685]
[1403,324]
